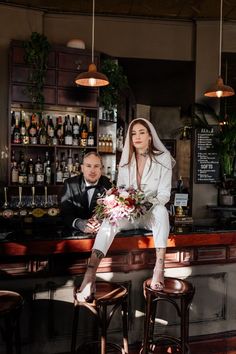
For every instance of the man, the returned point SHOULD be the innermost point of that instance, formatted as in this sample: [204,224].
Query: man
[80,194]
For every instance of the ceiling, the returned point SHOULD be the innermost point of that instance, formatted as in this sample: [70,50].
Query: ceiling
[165,9]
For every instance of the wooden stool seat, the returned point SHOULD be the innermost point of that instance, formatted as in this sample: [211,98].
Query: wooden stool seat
[178,293]
[107,294]
[10,308]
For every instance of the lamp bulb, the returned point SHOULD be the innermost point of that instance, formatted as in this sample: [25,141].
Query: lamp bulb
[219,93]
[92,81]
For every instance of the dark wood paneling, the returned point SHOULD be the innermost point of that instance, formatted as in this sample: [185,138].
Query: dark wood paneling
[75,62]
[77,96]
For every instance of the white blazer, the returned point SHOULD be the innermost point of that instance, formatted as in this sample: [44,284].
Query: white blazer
[156,178]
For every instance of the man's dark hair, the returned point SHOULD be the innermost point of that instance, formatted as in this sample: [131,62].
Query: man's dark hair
[94,153]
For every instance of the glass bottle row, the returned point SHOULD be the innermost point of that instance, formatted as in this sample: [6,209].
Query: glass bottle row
[36,129]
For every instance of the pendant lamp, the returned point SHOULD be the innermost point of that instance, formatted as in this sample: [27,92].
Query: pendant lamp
[218,89]
[92,77]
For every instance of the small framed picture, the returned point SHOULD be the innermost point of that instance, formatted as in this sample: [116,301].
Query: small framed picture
[170,144]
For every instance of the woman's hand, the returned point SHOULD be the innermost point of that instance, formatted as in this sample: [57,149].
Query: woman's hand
[92,226]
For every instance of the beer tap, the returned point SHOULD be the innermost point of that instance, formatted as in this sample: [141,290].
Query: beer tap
[19,204]
[45,197]
[6,204]
[33,204]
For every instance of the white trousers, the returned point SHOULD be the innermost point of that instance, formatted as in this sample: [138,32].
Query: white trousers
[157,220]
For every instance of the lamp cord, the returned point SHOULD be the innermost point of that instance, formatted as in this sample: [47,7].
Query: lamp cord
[93,31]
[220,42]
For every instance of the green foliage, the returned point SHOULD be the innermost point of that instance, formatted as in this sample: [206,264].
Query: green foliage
[199,114]
[36,56]
[110,94]
[226,143]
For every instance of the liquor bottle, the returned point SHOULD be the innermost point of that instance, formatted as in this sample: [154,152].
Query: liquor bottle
[75,129]
[22,128]
[59,130]
[108,174]
[68,132]
[16,133]
[180,185]
[91,136]
[63,161]
[42,133]
[39,175]
[83,132]
[50,130]
[33,130]
[45,162]
[13,159]
[110,143]
[22,169]
[14,173]
[76,166]
[13,123]
[48,173]
[59,175]
[30,173]
[70,162]
[66,173]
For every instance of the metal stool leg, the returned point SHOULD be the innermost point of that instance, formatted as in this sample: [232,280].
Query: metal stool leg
[124,310]
[17,334]
[74,329]
[147,322]
[104,329]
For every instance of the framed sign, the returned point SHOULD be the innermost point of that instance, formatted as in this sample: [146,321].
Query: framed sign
[207,165]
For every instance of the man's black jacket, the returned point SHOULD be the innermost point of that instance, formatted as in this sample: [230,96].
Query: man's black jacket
[74,200]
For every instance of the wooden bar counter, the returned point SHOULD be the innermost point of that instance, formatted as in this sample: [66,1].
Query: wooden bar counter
[131,250]
[44,262]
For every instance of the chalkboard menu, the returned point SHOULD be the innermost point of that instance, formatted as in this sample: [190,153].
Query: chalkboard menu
[207,167]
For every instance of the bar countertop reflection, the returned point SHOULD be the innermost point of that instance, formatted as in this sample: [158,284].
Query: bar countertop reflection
[50,239]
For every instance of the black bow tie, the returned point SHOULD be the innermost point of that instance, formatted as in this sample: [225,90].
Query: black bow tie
[90,187]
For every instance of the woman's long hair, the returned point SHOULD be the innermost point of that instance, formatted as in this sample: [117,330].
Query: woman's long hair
[151,149]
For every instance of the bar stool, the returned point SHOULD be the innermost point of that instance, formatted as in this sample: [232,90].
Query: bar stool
[107,294]
[177,292]
[10,309]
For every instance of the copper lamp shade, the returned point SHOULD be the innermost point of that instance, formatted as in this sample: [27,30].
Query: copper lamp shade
[92,78]
[219,89]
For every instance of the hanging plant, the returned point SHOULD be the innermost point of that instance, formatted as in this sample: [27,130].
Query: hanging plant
[36,57]
[110,95]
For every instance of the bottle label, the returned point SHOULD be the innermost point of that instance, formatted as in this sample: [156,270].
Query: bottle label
[42,139]
[31,179]
[90,141]
[22,179]
[33,140]
[32,131]
[16,139]
[83,142]
[59,177]
[76,129]
[15,176]
[68,140]
[39,178]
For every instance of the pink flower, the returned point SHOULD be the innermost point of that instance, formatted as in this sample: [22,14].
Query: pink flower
[120,203]
[110,201]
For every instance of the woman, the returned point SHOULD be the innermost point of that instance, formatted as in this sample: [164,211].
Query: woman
[145,164]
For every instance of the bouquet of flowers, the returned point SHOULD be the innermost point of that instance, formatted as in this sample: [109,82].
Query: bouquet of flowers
[119,203]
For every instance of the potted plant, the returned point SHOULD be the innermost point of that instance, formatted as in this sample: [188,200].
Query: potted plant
[36,57]
[110,95]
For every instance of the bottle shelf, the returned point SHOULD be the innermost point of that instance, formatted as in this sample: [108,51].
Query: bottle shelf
[53,146]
